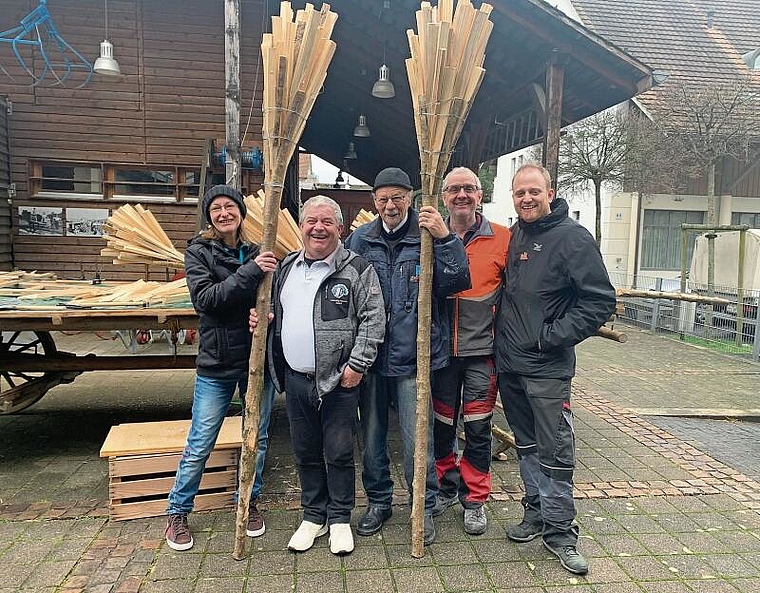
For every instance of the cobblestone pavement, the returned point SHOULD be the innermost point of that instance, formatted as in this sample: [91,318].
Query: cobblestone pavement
[657,512]
[734,442]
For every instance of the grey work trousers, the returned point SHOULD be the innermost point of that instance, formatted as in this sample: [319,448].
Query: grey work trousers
[538,411]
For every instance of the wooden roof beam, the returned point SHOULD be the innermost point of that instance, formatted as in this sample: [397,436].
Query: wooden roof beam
[580,54]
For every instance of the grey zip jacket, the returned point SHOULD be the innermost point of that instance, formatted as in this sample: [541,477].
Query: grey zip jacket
[347,329]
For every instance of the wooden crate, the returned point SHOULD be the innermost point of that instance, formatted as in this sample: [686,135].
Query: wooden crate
[142,465]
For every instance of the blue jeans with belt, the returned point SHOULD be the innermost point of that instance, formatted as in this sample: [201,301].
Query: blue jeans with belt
[211,399]
[374,409]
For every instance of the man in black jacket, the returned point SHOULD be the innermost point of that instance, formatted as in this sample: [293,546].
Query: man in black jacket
[556,294]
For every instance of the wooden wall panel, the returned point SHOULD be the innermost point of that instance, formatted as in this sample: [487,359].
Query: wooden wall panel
[6,250]
[168,100]
[741,179]
[76,256]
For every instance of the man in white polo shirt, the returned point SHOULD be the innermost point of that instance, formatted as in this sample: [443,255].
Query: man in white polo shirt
[329,318]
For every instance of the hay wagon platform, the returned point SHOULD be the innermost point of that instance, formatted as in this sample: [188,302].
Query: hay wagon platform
[31,364]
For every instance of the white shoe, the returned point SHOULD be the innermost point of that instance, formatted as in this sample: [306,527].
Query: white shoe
[341,538]
[304,537]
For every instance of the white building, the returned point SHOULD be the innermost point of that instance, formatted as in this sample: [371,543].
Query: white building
[642,236]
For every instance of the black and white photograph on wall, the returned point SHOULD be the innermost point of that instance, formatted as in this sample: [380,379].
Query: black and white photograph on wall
[86,222]
[39,220]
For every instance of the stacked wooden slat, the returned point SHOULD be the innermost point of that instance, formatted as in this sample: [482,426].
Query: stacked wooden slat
[135,237]
[288,234]
[59,290]
[140,293]
[362,218]
[17,276]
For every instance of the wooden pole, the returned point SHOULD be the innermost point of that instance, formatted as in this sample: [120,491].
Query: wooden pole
[206,159]
[445,71]
[256,362]
[612,334]
[424,323]
[555,73]
[673,296]
[232,90]
[295,57]
[740,289]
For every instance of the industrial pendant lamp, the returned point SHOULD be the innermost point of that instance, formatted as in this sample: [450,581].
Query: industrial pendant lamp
[106,64]
[351,153]
[383,87]
[362,129]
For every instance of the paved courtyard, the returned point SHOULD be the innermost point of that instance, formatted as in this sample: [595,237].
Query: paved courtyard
[662,507]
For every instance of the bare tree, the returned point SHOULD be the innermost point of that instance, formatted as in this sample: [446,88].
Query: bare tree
[706,126]
[615,147]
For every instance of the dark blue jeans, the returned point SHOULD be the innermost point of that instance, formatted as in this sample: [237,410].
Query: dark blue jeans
[211,399]
[323,446]
[374,409]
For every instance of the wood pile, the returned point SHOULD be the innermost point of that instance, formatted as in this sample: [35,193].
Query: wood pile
[20,276]
[73,294]
[139,294]
[59,290]
[362,218]
[288,233]
[135,237]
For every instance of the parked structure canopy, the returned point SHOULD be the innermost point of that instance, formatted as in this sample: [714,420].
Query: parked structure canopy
[509,111]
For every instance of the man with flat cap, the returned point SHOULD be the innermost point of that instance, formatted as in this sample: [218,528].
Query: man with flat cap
[391,243]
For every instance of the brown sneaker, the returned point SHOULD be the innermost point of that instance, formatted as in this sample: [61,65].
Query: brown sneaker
[256,525]
[178,534]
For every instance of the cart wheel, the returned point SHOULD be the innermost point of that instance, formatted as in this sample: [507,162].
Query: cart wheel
[21,389]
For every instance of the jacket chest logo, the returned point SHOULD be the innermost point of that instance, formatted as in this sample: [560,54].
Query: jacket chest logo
[537,246]
[339,291]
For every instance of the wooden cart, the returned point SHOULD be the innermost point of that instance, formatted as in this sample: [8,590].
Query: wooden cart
[31,364]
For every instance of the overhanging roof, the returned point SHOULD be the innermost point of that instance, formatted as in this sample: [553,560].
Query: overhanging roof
[526,35]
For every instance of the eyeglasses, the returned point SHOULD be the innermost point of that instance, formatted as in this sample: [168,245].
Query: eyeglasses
[397,200]
[226,207]
[468,188]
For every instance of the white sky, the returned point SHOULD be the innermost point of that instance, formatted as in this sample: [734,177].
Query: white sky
[326,173]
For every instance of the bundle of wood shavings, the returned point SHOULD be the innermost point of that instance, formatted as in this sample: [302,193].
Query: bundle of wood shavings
[288,233]
[135,237]
[362,218]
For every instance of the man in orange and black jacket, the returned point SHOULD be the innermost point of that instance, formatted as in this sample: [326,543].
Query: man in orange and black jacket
[468,384]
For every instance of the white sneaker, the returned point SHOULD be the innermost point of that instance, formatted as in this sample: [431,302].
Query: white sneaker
[341,538]
[304,537]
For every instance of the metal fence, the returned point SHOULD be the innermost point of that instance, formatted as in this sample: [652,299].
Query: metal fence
[730,328]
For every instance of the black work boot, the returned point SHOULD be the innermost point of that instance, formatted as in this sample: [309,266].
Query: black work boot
[532,525]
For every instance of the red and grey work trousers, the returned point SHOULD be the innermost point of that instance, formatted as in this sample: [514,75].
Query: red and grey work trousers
[468,385]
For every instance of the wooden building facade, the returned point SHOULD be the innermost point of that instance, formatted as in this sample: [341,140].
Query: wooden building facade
[139,137]
[6,247]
